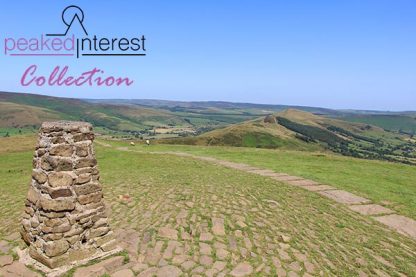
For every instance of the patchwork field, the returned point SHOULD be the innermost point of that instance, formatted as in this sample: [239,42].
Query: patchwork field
[181,216]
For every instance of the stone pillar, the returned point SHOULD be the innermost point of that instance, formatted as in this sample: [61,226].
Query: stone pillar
[65,219]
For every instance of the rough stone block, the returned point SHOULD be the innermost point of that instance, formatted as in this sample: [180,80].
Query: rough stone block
[58,229]
[81,150]
[49,163]
[39,176]
[64,219]
[60,192]
[55,248]
[90,198]
[81,254]
[83,137]
[111,245]
[83,178]
[64,150]
[57,205]
[104,239]
[55,222]
[85,162]
[60,179]
[98,232]
[52,214]
[33,195]
[87,188]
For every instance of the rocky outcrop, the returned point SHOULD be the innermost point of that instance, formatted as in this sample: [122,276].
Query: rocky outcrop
[65,218]
[269,119]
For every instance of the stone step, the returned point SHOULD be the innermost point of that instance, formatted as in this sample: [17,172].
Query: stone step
[370,209]
[401,224]
[344,197]
[319,188]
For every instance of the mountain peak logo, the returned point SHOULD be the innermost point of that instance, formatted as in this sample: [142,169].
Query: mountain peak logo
[70,15]
[67,44]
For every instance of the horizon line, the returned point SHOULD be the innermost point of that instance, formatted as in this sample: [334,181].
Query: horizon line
[224,101]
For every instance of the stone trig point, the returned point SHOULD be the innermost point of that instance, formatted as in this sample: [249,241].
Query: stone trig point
[65,221]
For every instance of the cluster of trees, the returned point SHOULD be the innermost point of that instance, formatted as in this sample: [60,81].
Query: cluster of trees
[352,135]
[410,133]
[359,146]
[313,134]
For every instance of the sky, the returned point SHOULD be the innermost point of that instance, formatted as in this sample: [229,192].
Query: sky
[346,54]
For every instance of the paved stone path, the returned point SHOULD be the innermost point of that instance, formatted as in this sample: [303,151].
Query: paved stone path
[401,224]
[206,230]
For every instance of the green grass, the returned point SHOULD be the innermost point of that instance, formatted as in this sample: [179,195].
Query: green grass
[152,179]
[116,118]
[299,130]
[377,180]
[10,131]
[160,186]
[388,122]
[15,172]
[266,140]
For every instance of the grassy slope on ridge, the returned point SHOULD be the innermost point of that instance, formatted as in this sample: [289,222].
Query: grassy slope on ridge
[383,182]
[255,133]
[299,130]
[405,123]
[121,116]
[15,115]
[112,117]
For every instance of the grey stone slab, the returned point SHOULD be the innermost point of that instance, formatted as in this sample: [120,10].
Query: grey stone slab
[302,183]
[370,209]
[285,178]
[344,197]
[399,223]
[263,172]
[319,188]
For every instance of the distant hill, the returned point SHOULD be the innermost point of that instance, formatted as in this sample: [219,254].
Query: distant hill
[19,110]
[129,117]
[22,112]
[213,105]
[295,129]
[404,123]
[16,115]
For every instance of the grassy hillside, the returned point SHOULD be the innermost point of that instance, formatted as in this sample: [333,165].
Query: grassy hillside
[255,133]
[404,123]
[129,118]
[119,117]
[27,110]
[215,107]
[17,115]
[140,117]
[247,125]
[294,129]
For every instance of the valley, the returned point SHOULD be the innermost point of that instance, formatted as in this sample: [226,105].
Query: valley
[225,188]
[363,134]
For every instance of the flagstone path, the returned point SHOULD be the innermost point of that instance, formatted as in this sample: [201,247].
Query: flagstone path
[399,223]
[244,226]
